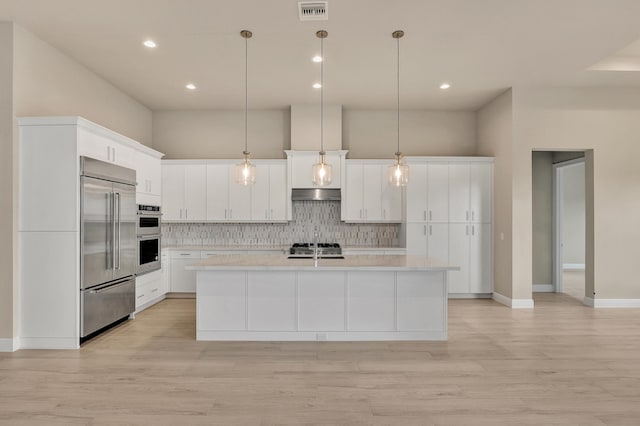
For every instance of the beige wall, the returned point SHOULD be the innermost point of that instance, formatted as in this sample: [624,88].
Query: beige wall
[542,164]
[495,138]
[220,133]
[8,190]
[48,82]
[365,133]
[573,221]
[606,122]
[373,133]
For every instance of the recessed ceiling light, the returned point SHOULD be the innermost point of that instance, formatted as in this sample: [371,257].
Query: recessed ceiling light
[445,86]
[317,58]
[191,86]
[317,85]
[150,44]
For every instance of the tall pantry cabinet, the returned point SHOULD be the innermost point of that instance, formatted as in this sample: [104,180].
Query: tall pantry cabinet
[449,217]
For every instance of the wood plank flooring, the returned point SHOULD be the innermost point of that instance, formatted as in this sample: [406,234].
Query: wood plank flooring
[559,364]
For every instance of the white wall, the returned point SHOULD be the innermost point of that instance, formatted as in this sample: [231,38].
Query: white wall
[573,221]
[495,138]
[365,133]
[606,123]
[48,82]
[542,165]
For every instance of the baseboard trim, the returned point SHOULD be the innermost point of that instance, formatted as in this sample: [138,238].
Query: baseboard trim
[612,303]
[573,267]
[9,345]
[469,295]
[49,343]
[543,288]
[513,303]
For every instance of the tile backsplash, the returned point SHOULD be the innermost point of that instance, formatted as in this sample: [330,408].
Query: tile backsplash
[307,215]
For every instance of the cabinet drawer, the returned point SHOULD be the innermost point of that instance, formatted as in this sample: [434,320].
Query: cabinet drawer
[184,254]
[148,291]
[208,253]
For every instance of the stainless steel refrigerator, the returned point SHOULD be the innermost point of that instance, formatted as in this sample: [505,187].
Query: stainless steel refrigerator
[108,244]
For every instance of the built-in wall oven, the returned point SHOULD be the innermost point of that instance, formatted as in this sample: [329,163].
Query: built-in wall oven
[149,226]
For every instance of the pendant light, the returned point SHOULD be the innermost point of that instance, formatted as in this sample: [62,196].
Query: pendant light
[245,171]
[321,171]
[398,171]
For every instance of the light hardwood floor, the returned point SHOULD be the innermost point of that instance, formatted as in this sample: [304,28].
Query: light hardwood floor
[559,364]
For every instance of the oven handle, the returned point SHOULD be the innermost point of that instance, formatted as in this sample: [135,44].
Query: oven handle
[149,237]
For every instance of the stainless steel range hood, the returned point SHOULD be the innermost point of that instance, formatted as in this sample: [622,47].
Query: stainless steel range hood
[315,194]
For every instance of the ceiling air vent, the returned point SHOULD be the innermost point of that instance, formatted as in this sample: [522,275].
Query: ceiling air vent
[313,10]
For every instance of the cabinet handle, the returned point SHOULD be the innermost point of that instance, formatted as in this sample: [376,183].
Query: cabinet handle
[424,213]
[425,230]
[180,213]
[473,230]
[108,153]
[430,215]
[365,213]
[154,290]
[184,254]
[186,213]
[140,297]
[230,213]
[384,213]
[430,230]
[467,230]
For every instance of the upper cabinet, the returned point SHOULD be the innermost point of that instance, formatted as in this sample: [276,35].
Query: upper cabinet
[367,195]
[149,178]
[206,191]
[428,193]
[184,194]
[471,194]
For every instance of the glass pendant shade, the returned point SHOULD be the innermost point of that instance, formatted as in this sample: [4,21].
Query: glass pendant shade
[321,172]
[398,172]
[245,171]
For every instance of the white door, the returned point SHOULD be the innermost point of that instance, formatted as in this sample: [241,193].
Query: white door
[278,191]
[438,241]
[372,192]
[481,177]
[459,256]
[417,193]
[217,191]
[459,193]
[172,192]
[260,195]
[239,199]
[480,259]
[353,201]
[438,193]
[417,239]
[195,192]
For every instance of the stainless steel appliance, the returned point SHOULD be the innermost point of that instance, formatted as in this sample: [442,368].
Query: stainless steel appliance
[315,194]
[108,249]
[308,250]
[148,234]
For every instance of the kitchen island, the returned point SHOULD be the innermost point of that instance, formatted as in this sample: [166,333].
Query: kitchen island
[360,297]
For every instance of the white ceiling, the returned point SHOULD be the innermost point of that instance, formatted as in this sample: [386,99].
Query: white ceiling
[481,46]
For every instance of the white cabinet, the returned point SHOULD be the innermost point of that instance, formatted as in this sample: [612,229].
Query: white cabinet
[428,239]
[182,280]
[367,195]
[470,249]
[184,194]
[150,288]
[264,201]
[149,178]
[271,300]
[470,195]
[96,143]
[428,193]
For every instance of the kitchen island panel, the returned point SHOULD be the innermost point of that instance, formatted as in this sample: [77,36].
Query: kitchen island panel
[420,297]
[222,300]
[321,301]
[371,298]
[271,300]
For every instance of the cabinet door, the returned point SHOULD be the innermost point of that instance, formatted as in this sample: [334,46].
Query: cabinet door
[417,239]
[217,191]
[438,193]
[239,199]
[278,191]
[122,155]
[353,202]
[195,192]
[391,199]
[459,193]
[480,259]
[172,192]
[481,194]
[417,193]
[372,192]
[260,209]
[154,169]
[438,241]
[459,256]
[182,281]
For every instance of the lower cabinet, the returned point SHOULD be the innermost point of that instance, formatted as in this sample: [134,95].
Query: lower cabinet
[182,280]
[150,288]
[470,248]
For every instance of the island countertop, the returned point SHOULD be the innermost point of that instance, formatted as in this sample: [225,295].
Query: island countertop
[280,262]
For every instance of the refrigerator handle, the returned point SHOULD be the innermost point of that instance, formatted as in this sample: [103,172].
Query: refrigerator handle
[117,195]
[113,231]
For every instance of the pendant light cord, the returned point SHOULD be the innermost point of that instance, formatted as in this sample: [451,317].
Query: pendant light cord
[246,90]
[322,96]
[398,91]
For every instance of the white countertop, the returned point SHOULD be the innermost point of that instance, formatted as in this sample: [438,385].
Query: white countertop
[271,248]
[279,262]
